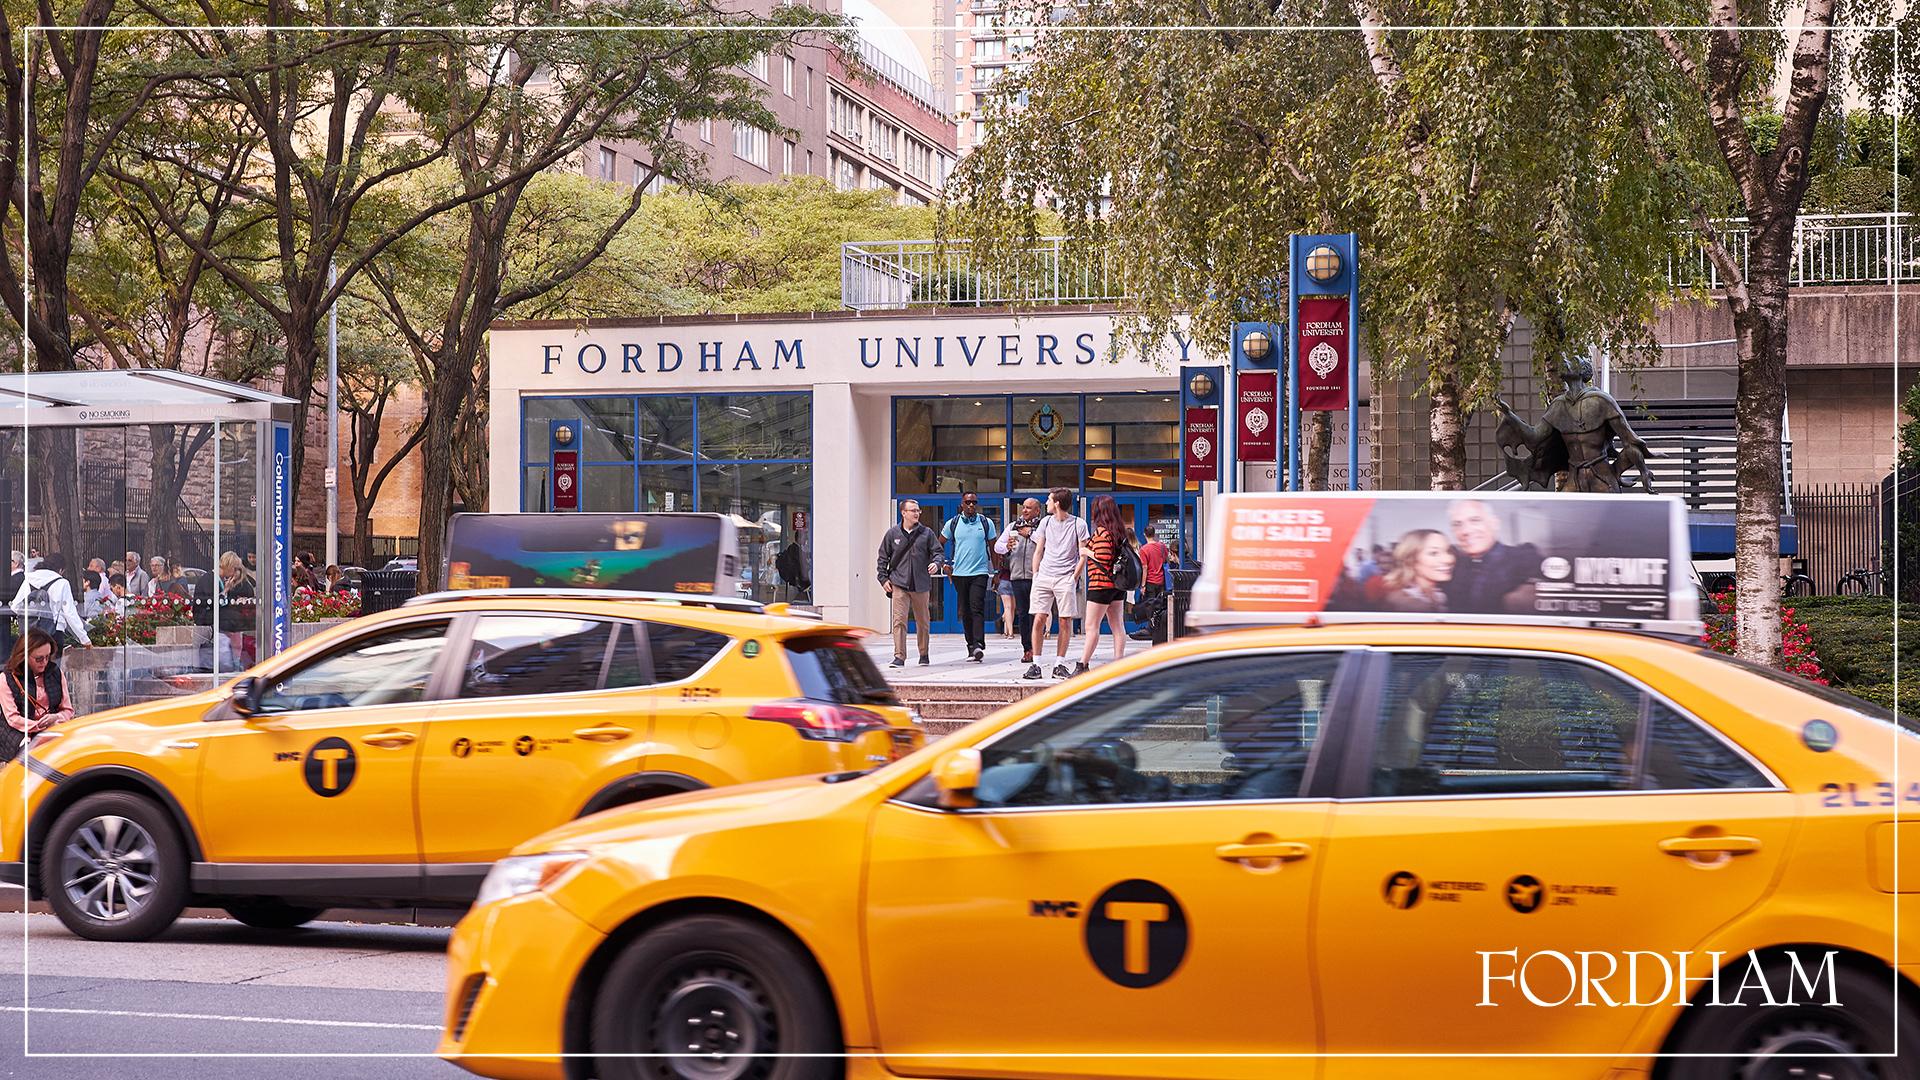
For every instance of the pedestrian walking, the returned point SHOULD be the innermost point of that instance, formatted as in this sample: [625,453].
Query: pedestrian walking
[35,695]
[45,603]
[909,557]
[1153,586]
[1105,599]
[971,534]
[1016,543]
[1056,573]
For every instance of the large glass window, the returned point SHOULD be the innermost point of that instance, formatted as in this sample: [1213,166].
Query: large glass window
[1046,428]
[1133,426]
[950,429]
[1094,442]
[745,454]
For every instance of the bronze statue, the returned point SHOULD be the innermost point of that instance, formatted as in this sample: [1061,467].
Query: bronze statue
[1574,440]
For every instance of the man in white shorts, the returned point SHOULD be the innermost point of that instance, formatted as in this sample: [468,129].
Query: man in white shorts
[1056,577]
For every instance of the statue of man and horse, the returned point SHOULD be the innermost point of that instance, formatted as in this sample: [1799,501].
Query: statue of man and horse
[1574,441]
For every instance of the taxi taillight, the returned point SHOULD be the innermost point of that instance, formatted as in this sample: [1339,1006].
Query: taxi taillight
[818,720]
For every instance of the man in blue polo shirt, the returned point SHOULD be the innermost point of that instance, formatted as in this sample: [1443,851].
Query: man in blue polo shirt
[970,533]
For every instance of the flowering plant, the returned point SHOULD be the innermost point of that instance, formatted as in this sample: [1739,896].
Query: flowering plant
[1796,641]
[144,615]
[312,606]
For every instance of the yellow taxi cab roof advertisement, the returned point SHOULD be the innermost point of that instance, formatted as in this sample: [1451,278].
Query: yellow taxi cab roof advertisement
[1568,559]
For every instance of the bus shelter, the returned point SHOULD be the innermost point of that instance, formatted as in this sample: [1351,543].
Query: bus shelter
[181,485]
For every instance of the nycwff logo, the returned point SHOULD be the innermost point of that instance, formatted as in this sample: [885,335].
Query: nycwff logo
[1552,970]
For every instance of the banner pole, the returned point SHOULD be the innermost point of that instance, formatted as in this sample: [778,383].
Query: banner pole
[1293,362]
[1353,363]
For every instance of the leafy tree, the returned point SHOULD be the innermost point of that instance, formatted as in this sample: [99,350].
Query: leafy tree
[373,369]
[1463,159]
[1724,68]
[503,129]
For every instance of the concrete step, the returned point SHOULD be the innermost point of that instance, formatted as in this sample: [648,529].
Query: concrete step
[999,693]
[940,729]
[966,711]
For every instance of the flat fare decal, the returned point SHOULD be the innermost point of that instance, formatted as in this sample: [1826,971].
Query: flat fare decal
[1285,556]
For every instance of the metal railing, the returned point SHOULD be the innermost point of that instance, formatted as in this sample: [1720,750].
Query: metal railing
[925,273]
[1839,530]
[896,73]
[1827,249]
[1698,468]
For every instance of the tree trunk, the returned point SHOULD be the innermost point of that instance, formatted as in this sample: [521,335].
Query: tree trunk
[57,494]
[363,532]
[445,398]
[1319,449]
[163,494]
[1760,329]
[296,382]
[1447,451]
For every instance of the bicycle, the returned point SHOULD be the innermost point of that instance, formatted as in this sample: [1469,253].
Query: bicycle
[1796,585]
[1861,581]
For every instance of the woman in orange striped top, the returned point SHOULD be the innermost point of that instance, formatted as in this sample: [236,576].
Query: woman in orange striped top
[1104,600]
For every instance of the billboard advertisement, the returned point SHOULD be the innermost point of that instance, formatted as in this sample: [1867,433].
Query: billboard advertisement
[681,554]
[1495,557]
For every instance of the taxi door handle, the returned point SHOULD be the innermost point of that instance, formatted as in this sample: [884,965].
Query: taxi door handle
[608,733]
[1699,845]
[388,739]
[1275,850]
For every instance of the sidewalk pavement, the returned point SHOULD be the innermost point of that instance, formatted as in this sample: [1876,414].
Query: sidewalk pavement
[1002,665]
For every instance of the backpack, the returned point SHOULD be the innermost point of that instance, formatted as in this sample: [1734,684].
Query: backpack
[40,611]
[791,570]
[1126,572]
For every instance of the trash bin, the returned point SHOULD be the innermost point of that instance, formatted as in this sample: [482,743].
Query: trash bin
[384,590]
[1173,623]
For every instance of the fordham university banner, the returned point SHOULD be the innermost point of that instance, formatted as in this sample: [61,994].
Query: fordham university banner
[1259,411]
[1611,561]
[1323,353]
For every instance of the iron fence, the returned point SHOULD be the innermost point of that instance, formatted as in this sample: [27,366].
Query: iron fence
[1839,528]
[928,273]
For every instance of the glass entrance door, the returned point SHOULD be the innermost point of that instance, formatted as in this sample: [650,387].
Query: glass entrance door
[943,605]
[1161,512]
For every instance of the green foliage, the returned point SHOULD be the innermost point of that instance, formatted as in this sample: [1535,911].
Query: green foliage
[1858,190]
[765,247]
[1504,173]
[1900,554]
[1855,639]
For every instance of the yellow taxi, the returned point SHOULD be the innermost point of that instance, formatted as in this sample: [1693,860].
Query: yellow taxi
[391,760]
[1482,847]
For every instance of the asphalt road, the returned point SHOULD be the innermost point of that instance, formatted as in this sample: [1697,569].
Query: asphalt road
[211,998]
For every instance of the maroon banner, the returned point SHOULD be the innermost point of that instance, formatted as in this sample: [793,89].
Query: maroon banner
[1201,440]
[1259,417]
[1323,353]
[566,479]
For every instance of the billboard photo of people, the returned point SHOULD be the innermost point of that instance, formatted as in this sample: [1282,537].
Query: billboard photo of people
[1556,555]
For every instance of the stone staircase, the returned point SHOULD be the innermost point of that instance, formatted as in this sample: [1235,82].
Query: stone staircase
[945,708]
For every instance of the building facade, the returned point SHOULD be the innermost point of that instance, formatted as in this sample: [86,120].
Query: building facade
[885,130]
[816,427]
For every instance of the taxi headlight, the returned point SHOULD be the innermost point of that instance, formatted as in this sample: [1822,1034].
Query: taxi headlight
[527,873]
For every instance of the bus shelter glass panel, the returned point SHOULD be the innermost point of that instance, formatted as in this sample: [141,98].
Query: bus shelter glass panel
[154,530]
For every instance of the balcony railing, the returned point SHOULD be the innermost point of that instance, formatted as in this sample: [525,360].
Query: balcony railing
[896,73]
[1829,249]
[921,273]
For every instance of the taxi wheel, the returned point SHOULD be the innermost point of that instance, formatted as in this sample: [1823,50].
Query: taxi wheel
[1786,1042]
[716,992]
[113,868]
[273,915]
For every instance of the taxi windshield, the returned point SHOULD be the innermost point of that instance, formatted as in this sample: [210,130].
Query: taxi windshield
[1828,694]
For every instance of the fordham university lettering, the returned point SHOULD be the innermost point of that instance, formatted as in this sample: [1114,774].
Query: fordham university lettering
[593,358]
[918,352]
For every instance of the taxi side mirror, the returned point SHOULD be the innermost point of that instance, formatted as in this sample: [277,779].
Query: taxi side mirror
[955,774]
[245,696]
